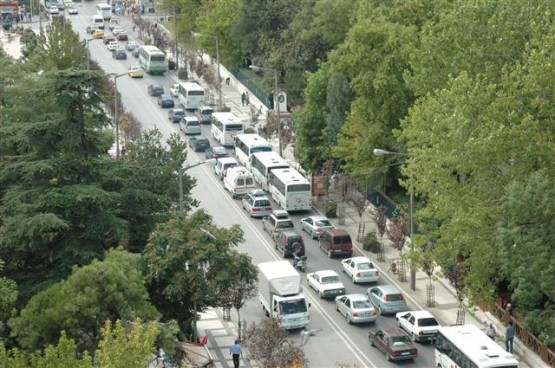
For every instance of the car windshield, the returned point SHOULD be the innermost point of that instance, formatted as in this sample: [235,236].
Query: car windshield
[284,224]
[330,279]
[178,112]
[262,203]
[342,239]
[400,340]
[427,322]
[365,266]
[394,297]
[292,306]
[361,304]
[323,223]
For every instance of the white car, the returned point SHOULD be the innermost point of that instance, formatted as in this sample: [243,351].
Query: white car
[356,308]
[174,90]
[326,283]
[72,10]
[53,10]
[315,225]
[420,325]
[360,269]
[117,30]
[113,45]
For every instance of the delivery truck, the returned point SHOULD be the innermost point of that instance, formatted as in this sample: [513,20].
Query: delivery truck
[280,294]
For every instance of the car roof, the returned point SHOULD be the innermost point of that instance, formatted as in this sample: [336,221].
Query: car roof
[221,148]
[394,331]
[360,259]
[335,231]
[178,110]
[419,314]
[199,137]
[357,297]
[324,273]
[317,218]
[389,289]
[291,233]
[226,160]
[281,214]
[166,95]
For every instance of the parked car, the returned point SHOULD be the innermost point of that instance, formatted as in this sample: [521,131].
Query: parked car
[420,325]
[336,242]
[174,89]
[360,269]
[166,100]
[155,90]
[315,225]
[122,36]
[136,72]
[120,54]
[288,242]
[356,308]
[276,222]
[257,206]
[113,45]
[131,45]
[53,10]
[326,283]
[216,152]
[72,10]
[175,115]
[394,343]
[387,298]
[107,39]
[199,143]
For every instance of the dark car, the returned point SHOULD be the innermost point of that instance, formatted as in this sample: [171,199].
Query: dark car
[122,37]
[119,55]
[175,115]
[199,143]
[394,343]
[216,152]
[288,242]
[108,39]
[166,100]
[155,90]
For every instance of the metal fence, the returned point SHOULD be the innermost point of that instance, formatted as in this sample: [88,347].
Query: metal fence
[265,98]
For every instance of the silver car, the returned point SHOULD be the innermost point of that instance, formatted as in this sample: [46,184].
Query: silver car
[387,298]
[356,308]
[257,206]
[315,225]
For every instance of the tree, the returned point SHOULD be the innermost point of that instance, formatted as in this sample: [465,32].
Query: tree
[267,343]
[102,291]
[190,263]
[8,299]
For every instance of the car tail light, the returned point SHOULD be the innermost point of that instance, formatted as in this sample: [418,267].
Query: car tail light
[254,209]
[268,208]
[385,298]
[377,273]
[317,229]
[358,274]
[396,353]
[414,351]
[355,314]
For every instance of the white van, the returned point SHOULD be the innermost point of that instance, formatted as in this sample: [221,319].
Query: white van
[190,125]
[97,22]
[222,164]
[239,181]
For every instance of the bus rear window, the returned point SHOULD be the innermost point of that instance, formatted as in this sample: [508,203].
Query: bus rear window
[261,149]
[195,93]
[157,58]
[298,188]
[234,127]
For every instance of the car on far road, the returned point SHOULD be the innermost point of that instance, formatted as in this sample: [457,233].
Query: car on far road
[216,152]
[387,298]
[166,100]
[420,325]
[108,38]
[326,283]
[113,23]
[257,206]
[394,343]
[155,90]
[175,115]
[98,33]
[131,45]
[278,221]
[136,72]
[72,10]
[199,143]
[360,269]
[315,225]
[117,30]
[289,242]
[174,89]
[113,45]
[356,308]
[122,36]
[53,10]
[119,54]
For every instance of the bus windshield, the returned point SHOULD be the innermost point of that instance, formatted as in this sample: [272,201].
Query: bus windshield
[261,149]
[234,127]
[157,58]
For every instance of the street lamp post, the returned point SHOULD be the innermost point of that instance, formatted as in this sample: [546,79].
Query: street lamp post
[180,174]
[87,40]
[276,102]
[116,118]
[196,35]
[381,152]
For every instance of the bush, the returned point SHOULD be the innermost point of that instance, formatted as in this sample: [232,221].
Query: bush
[371,242]
[6,26]
[182,74]
[330,209]
[249,130]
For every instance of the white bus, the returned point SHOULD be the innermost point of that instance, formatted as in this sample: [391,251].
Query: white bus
[262,163]
[105,10]
[152,60]
[225,126]
[469,347]
[191,95]
[290,190]
[247,144]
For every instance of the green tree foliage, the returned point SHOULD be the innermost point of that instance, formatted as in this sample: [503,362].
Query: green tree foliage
[8,298]
[63,355]
[190,263]
[339,98]
[102,291]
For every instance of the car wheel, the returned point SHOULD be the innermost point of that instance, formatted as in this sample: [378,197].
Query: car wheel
[321,295]
[388,357]
[330,254]
[336,307]
[353,279]
[380,309]
[312,235]
[372,343]
[349,321]
[319,245]
[413,337]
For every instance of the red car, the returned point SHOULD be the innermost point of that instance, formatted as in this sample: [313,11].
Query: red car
[108,39]
[394,343]
[122,37]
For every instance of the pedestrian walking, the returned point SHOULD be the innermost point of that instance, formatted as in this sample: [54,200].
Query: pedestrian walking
[243,98]
[509,337]
[247,99]
[228,81]
[490,331]
[236,352]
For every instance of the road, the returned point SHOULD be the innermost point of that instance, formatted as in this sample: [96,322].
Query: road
[338,341]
